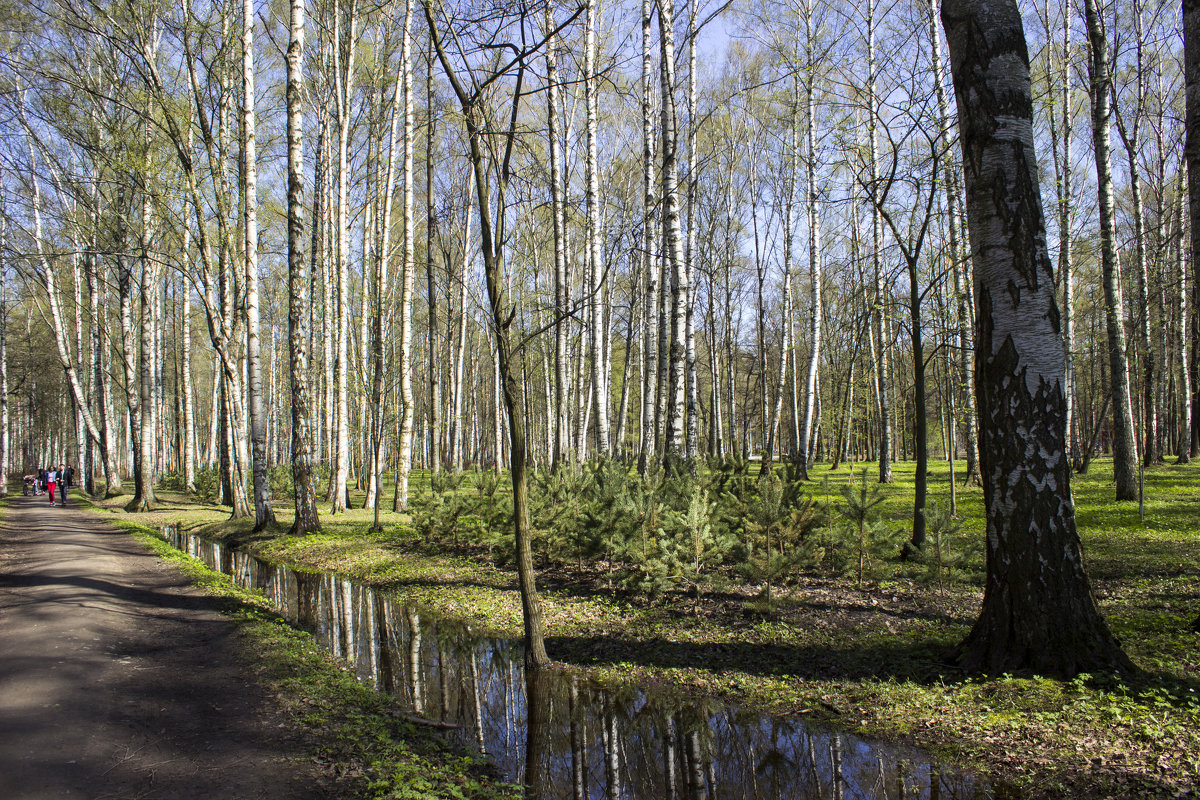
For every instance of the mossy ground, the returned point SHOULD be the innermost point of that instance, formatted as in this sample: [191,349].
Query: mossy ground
[870,657]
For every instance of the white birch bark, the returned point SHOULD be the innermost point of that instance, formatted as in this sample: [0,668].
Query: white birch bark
[1124,444]
[306,519]
[264,515]
[1129,128]
[187,401]
[50,284]
[343,59]
[407,407]
[692,403]
[596,269]
[650,336]
[814,243]
[561,438]
[4,465]
[880,295]
[965,381]
[680,288]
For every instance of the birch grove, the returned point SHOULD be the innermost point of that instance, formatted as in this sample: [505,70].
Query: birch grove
[675,234]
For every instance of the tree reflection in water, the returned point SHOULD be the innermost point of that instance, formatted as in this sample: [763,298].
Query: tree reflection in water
[564,738]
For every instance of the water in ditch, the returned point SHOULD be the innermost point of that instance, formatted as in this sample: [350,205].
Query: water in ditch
[563,737]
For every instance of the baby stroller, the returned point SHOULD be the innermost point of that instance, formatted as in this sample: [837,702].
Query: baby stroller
[28,488]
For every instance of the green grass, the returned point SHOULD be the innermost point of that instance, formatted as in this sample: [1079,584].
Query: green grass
[873,658]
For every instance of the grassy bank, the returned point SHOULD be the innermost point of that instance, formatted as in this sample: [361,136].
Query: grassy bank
[359,739]
[870,657]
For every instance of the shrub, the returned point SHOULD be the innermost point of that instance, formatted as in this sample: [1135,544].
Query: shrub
[860,537]
[777,545]
[939,553]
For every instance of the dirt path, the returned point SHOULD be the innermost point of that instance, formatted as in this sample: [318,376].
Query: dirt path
[118,679]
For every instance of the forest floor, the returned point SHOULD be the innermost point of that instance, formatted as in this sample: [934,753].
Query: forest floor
[869,658]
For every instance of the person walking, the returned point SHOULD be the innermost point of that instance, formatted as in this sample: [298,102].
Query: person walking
[66,479]
[51,480]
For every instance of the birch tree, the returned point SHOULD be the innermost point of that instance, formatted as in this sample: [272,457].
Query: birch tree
[344,42]
[672,233]
[1038,611]
[596,268]
[264,515]
[407,407]
[1124,447]
[488,160]
[307,519]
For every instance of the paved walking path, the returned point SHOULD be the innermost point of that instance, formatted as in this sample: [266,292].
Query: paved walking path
[118,679]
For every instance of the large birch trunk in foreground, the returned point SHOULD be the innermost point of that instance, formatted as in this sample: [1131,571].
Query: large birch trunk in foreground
[307,519]
[1038,610]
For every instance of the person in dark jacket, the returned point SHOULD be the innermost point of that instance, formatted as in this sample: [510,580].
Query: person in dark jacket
[66,479]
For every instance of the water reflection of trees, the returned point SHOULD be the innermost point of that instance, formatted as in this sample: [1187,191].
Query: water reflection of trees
[565,738]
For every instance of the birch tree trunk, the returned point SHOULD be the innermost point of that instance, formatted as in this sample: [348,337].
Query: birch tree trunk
[1186,320]
[1038,610]
[407,407]
[595,253]
[492,238]
[1191,62]
[880,299]
[562,442]
[814,245]
[456,414]
[1129,129]
[680,287]
[4,348]
[307,519]
[435,396]
[961,258]
[49,283]
[1058,89]
[81,438]
[319,286]
[648,440]
[101,379]
[264,515]
[1124,447]
[143,498]
[691,410]
[343,49]
[380,324]
[785,329]
[187,402]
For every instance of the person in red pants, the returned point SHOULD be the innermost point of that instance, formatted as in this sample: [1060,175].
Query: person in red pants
[51,480]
